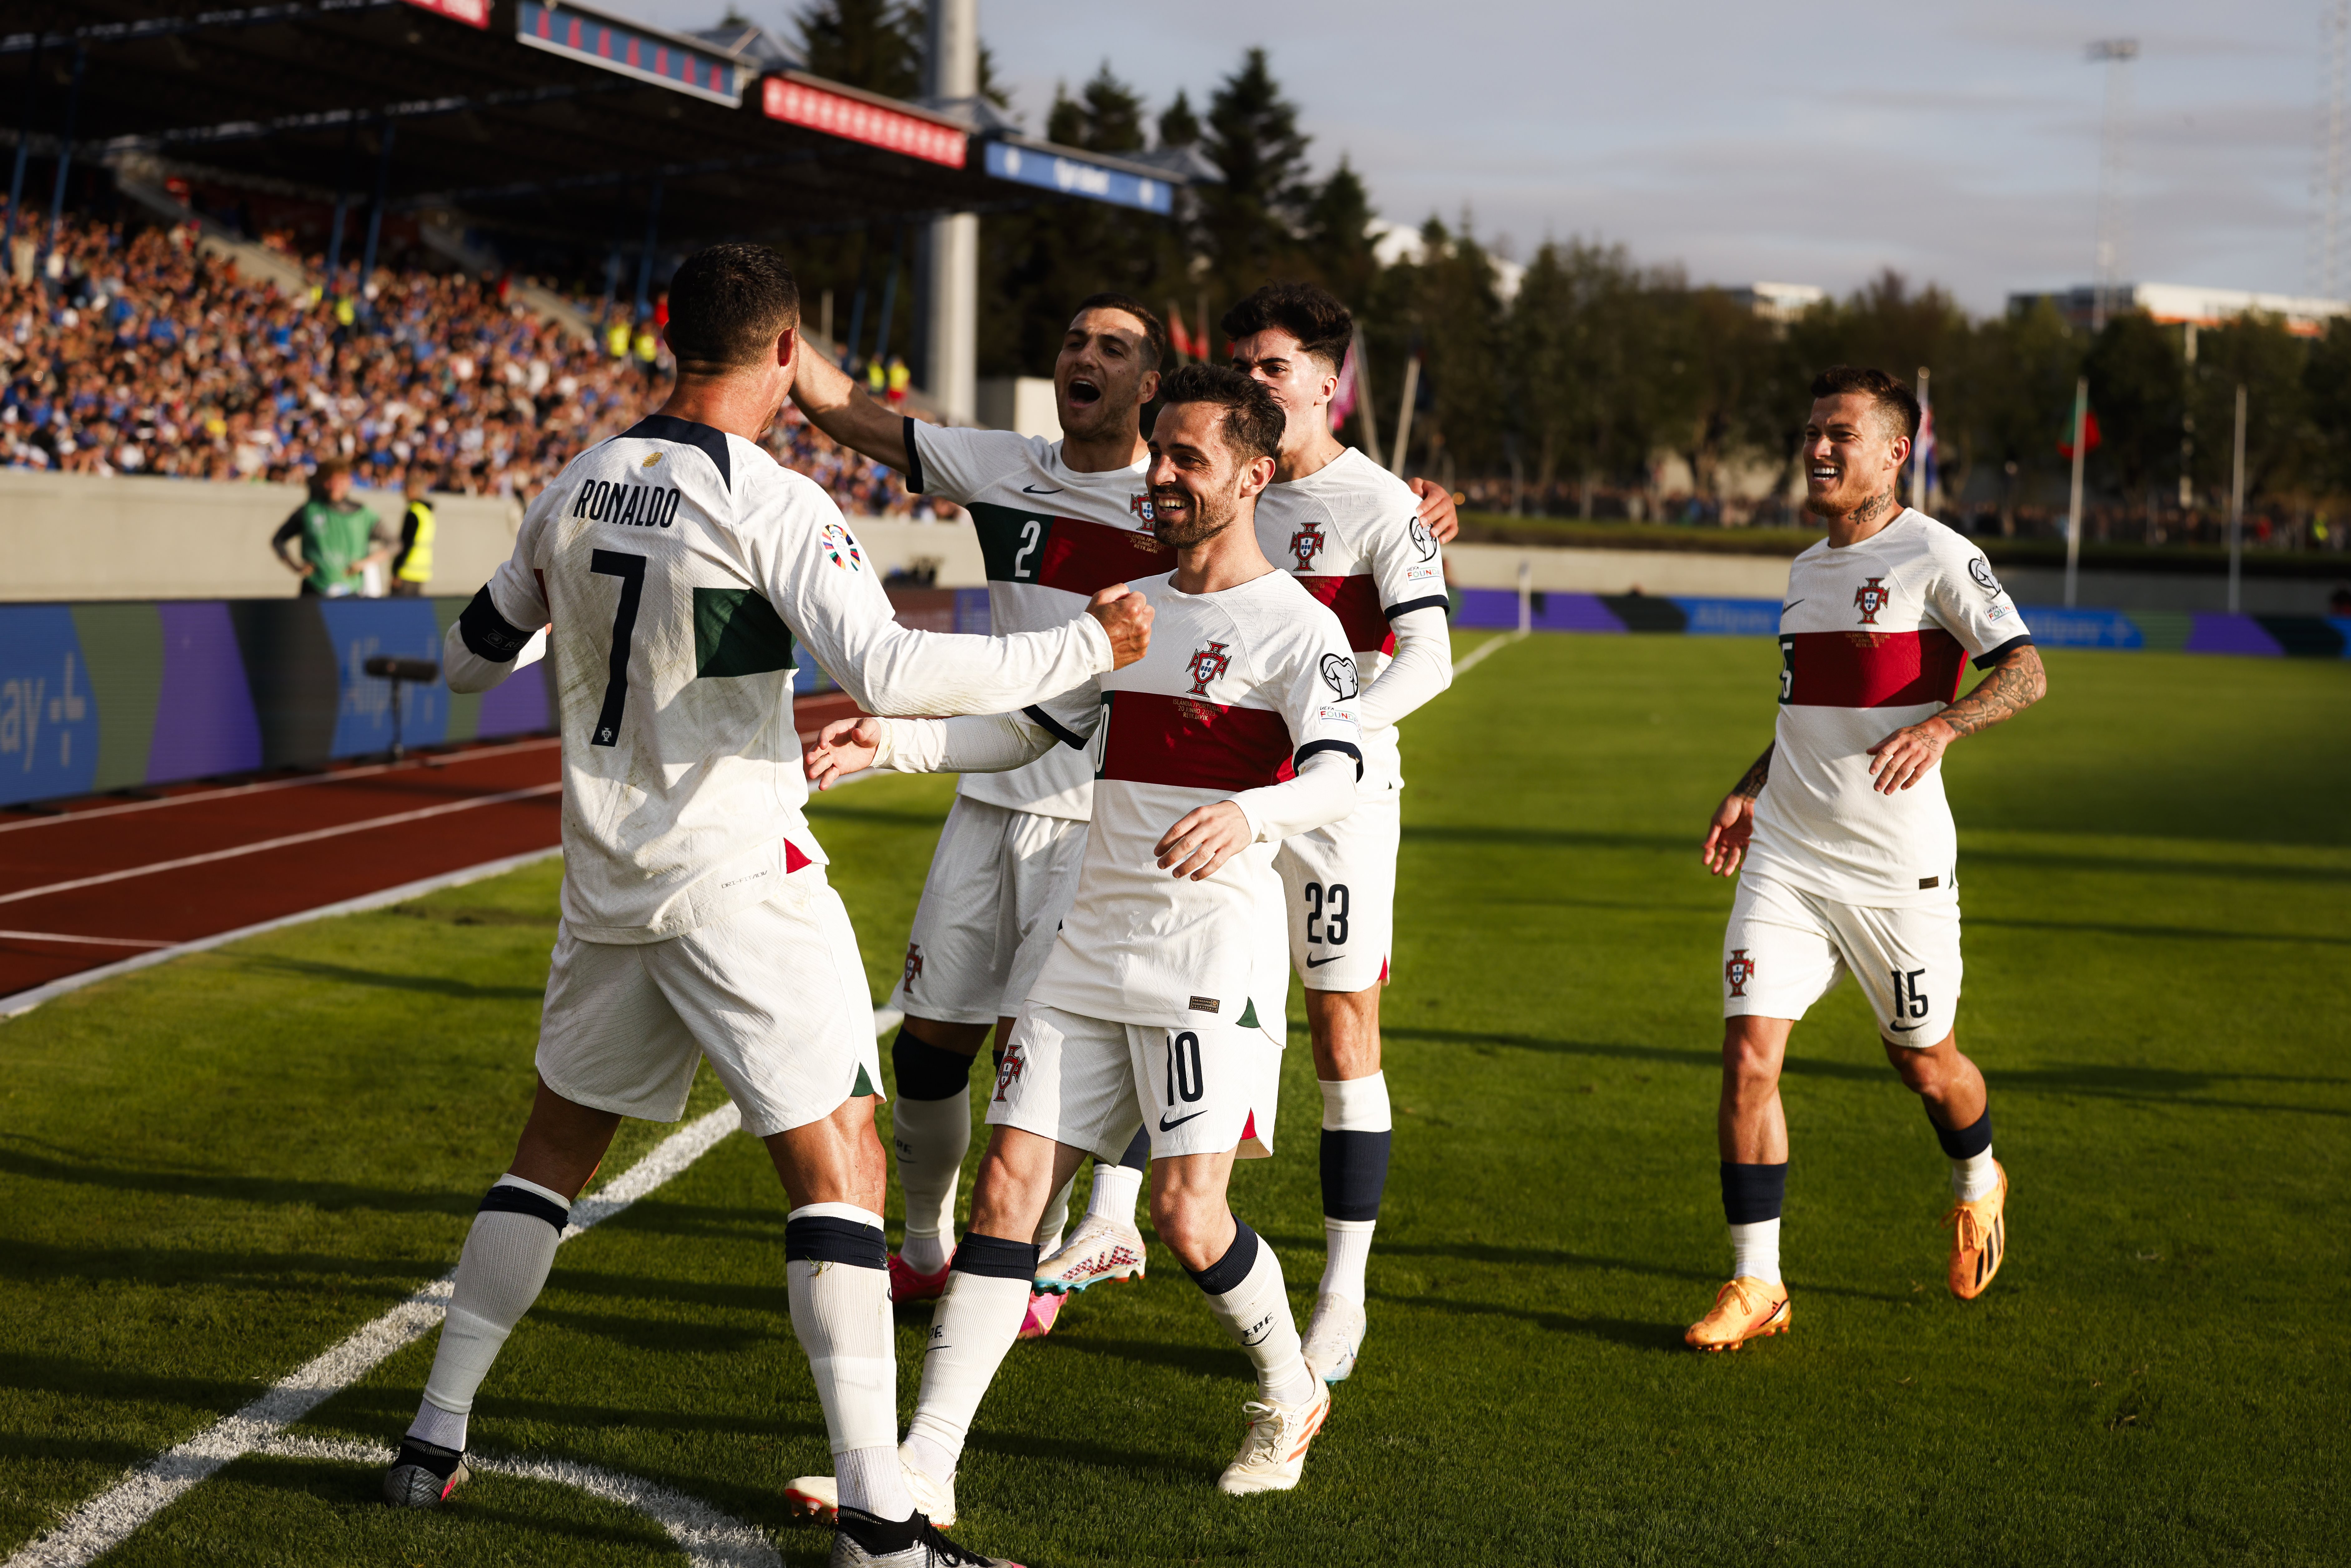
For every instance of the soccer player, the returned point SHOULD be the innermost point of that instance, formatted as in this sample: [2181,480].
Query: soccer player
[1850,855]
[1153,1006]
[1056,520]
[678,563]
[1347,529]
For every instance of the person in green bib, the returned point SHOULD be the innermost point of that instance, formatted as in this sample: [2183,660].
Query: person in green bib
[331,540]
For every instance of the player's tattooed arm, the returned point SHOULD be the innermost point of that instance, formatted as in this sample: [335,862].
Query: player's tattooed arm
[1904,757]
[1734,820]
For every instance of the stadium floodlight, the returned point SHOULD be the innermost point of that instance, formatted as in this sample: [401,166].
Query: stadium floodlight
[2117,54]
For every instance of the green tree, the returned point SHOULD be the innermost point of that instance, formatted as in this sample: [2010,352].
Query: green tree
[2018,373]
[1444,308]
[876,45]
[2327,394]
[1249,225]
[2138,386]
[2258,353]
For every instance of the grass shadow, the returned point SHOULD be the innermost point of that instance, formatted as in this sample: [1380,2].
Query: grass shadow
[330,1197]
[1630,1333]
[430,985]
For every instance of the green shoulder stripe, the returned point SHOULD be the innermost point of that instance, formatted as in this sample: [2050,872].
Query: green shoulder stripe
[738,632]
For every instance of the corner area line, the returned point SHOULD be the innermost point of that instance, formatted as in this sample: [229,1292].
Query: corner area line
[1484,648]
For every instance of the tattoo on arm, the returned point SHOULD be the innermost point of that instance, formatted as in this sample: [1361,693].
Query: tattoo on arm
[1751,783]
[2016,683]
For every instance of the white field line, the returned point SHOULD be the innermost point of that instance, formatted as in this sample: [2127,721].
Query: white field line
[267,787]
[26,1001]
[108,1520]
[708,1538]
[1478,652]
[82,941]
[421,814]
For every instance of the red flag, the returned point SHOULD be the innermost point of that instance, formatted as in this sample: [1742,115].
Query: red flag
[1184,344]
[2089,436]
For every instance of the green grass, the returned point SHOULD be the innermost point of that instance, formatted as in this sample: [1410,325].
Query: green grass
[213,1170]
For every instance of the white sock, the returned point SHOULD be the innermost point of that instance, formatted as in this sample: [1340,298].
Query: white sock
[1755,1252]
[1056,1219]
[1245,1291]
[1117,1190]
[1348,1247]
[504,1266]
[931,1138]
[1974,1177]
[835,1263]
[972,1330]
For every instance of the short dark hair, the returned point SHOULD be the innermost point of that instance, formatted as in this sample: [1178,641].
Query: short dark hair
[727,305]
[1154,330]
[1307,311]
[1892,396]
[1252,420]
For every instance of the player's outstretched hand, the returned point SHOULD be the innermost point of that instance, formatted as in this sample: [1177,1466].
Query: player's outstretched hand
[1126,616]
[1204,839]
[1902,759]
[1726,835]
[1437,513]
[845,746]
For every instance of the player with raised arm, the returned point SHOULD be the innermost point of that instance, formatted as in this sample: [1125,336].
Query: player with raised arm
[1151,1008]
[1347,529]
[1850,855]
[1056,520]
[677,564]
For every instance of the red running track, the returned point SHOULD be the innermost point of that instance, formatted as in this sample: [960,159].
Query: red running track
[107,879]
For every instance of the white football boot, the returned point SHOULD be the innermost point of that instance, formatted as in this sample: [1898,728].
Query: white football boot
[1333,1336]
[819,1497]
[1099,1250]
[1273,1454]
[865,1542]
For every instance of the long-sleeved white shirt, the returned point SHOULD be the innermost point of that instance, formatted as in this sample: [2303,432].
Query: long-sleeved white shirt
[679,565]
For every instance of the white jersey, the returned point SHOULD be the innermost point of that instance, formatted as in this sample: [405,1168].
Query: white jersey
[1350,534]
[1238,689]
[1052,539]
[1872,638]
[678,563]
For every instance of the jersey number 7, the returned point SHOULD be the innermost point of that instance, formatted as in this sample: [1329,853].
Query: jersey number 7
[631,571]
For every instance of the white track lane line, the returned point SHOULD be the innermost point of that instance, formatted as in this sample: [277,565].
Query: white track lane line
[1481,650]
[708,1538]
[83,941]
[287,842]
[108,1520]
[434,764]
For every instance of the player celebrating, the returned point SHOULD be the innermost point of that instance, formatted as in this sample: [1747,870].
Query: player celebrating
[1056,520]
[1151,1007]
[1346,529]
[1850,853]
[678,562]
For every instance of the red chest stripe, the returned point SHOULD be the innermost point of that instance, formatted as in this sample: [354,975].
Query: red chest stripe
[1874,669]
[1084,558]
[1356,602]
[1156,739]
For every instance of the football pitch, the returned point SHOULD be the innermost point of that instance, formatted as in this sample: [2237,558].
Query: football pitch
[212,1171]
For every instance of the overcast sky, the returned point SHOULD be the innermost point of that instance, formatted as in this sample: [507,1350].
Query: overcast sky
[1956,142]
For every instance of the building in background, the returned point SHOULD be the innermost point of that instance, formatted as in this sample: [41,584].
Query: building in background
[2175,303]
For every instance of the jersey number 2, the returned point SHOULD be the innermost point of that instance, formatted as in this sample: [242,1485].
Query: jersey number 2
[1033,534]
[631,571]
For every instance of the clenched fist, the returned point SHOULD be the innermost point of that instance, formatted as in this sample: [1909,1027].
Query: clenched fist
[1126,616]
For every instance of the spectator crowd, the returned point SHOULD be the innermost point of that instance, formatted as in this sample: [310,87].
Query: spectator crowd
[137,353]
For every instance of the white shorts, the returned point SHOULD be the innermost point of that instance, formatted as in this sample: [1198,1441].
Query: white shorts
[1087,1082]
[999,883]
[1339,881]
[774,995]
[1785,949]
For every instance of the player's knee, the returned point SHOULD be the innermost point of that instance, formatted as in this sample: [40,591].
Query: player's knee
[1924,1071]
[1750,1057]
[1190,1225]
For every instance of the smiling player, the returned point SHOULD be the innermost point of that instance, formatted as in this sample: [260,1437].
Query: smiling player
[1851,857]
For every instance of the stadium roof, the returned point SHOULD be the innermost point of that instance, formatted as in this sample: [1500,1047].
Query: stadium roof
[553,119]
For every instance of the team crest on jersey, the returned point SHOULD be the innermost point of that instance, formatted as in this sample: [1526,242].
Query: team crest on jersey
[1140,505]
[913,964]
[1306,543]
[1738,969]
[1008,1070]
[1207,664]
[1872,597]
[840,546]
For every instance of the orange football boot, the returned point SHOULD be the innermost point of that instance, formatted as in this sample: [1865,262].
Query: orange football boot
[1978,1239]
[1745,1309]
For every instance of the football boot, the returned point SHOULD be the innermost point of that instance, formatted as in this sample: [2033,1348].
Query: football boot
[424,1475]
[1099,1249]
[908,1285]
[1038,1321]
[819,1497]
[865,1542]
[1745,1309]
[1273,1452]
[1978,1239]
[1333,1336]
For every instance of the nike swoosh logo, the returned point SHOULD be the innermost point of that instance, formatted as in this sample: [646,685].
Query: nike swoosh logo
[1033,491]
[1318,963]
[1790,605]
[1904,1027]
[1167,1126]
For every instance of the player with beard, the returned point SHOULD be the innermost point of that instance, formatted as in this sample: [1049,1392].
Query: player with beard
[1151,1007]
[1346,529]
[1851,857]
[1057,521]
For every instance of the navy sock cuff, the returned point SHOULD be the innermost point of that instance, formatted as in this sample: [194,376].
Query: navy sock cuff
[1752,1194]
[994,1258]
[1138,1151]
[829,1238]
[1227,1271]
[1967,1142]
[926,1071]
[1354,1174]
[505,1198]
